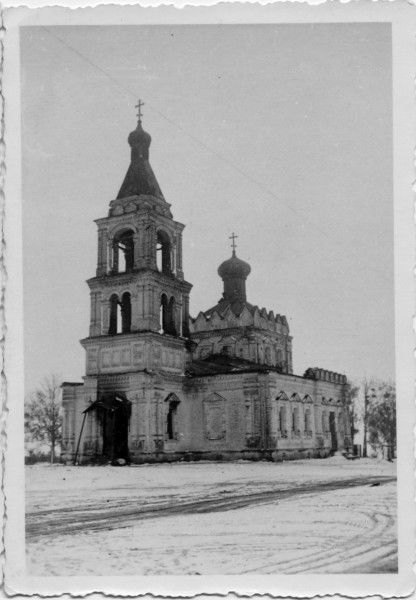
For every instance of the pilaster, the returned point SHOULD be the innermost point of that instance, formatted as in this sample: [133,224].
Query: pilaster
[95,313]
[179,268]
[102,255]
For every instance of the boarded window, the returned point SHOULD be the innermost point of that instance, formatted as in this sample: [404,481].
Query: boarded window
[252,417]
[282,419]
[308,420]
[295,419]
[214,417]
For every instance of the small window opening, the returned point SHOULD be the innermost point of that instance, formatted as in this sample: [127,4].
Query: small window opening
[163,313]
[126,313]
[171,420]
[119,318]
[163,253]
[123,252]
[171,316]
[114,307]
[167,315]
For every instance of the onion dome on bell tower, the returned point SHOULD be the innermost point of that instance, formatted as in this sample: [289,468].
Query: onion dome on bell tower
[140,179]
[234,273]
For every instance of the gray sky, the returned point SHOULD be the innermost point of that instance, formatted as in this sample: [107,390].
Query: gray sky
[289,145]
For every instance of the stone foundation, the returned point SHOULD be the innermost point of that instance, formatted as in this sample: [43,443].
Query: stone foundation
[196,456]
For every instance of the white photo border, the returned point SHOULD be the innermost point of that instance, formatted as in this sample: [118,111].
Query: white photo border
[402,16]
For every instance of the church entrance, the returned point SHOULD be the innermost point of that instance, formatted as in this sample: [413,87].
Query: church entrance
[113,413]
[333,430]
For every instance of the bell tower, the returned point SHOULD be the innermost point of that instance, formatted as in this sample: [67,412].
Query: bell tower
[139,288]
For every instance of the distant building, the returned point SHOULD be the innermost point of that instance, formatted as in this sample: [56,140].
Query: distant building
[160,385]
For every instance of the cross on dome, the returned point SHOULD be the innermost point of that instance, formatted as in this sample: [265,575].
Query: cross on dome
[233,237]
[139,110]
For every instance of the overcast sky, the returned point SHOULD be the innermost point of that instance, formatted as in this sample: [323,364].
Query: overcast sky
[281,133]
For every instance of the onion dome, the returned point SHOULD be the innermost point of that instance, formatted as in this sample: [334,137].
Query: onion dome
[234,273]
[139,141]
[234,267]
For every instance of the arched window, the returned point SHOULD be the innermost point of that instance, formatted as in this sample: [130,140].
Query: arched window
[114,309]
[282,419]
[171,316]
[268,355]
[308,420]
[125,313]
[163,313]
[172,417]
[167,315]
[279,358]
[295,419]
[163,252]
[123,251]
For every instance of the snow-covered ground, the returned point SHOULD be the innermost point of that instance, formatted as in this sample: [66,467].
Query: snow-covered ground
[212,518]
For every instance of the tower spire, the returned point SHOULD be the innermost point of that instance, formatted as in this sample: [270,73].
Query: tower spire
[140,179]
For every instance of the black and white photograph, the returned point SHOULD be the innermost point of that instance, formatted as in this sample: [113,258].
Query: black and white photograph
[209,241]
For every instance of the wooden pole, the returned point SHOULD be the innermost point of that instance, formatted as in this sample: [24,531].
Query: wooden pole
[79,438]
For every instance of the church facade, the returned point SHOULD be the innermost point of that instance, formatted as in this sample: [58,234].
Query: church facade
[163,386]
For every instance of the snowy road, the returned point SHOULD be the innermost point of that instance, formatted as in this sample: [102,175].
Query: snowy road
[306,516]
[99,516]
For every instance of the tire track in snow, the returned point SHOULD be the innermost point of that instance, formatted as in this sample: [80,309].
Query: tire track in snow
[357,554]
[53,522]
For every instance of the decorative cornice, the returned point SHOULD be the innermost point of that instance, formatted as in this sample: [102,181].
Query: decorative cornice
[121,339]
[138,276]
[318,374]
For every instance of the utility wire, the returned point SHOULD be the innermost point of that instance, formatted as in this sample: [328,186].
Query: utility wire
[197,140]
[200,142]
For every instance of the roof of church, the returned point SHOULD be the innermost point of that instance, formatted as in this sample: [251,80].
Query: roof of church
[234,273]
[237,306]
[140,179]
[218,364]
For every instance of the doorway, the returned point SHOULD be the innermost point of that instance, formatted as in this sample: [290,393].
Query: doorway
[113,414]
[333,431]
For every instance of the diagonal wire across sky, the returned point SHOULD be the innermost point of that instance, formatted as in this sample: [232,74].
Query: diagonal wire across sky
[202,144]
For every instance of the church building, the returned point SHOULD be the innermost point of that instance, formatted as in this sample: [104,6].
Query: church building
[163,386]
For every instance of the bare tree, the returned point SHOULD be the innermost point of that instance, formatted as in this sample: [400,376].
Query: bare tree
[381,417]
[369,386]
[351,398]
[43,414]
